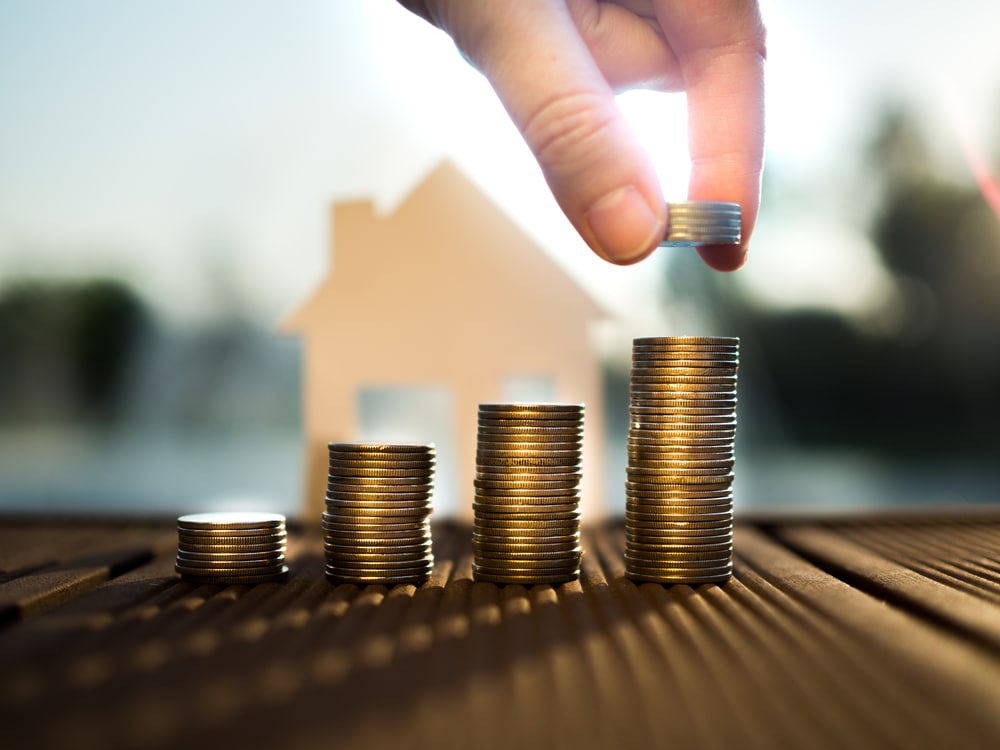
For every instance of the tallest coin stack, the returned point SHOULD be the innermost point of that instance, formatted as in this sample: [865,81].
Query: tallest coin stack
[679,488]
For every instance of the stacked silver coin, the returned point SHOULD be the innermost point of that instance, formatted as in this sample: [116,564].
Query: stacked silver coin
[527,493]
[231,548]
[679,487]
[692,223]
[376,527]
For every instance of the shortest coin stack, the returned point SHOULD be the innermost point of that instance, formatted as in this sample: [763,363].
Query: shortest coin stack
[376,528]
[692,223]
[231,548]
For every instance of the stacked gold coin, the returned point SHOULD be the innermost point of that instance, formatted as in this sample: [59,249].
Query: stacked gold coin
[527,500]
[231,548]
[376,528]
[679,488]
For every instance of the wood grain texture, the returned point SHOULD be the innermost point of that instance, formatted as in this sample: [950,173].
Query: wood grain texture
[868,633]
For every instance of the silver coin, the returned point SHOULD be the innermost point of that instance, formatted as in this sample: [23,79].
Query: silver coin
[380,448]
[554,512]
[667,465]
[683,415]
[531,485]
[492,557]
[366,483]
[398,547]
[645,505]
[425,563]
[185,538]
[669,376]
[689,438]
[518,467]
[201,571]
[685,356]
[489,546]
[710,569]
[231,521]
[391,525]
[519,447]
[377,513]
[546,454]
[678,547]
[230,549]
[495,526]
[379,526]
[697,341]
[379,536]
[567,570]
[718,535]
[379,497]
[641,491]
[222,557]
[419,476]
[703,208]
[681,532]
[518,474]
[235,580]
[346,560]
[657,416]
[234,533]
[486,494]
[529,422]
[665,513]
[531,409]
[257,563]
[406,461]
[533,435]
[668,431]
[648,556]
[675,469]
[525,535]
[333,504]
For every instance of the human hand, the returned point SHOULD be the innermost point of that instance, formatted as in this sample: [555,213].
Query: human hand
[556,65]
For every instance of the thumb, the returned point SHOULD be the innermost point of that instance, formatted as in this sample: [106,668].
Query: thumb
[548,81]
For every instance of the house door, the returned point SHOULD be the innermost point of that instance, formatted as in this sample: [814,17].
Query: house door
[416,414]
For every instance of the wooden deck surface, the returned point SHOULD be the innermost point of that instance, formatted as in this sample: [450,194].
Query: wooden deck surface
[839,633]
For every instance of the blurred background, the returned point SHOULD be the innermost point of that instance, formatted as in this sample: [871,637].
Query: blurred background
[166,175]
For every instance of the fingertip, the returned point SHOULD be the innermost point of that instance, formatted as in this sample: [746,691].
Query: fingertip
[724,257]
[623,227]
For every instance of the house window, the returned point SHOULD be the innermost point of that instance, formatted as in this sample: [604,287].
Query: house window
[416,414]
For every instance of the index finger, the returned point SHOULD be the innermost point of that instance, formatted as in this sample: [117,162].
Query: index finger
[720,45]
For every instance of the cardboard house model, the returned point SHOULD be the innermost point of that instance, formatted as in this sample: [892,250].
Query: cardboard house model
[427,312]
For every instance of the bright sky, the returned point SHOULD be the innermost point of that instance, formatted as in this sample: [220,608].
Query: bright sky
[195,147]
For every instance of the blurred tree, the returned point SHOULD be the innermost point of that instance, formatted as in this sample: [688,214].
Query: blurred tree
[927,377]
[66,347]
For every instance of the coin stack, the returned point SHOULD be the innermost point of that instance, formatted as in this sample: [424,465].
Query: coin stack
[231,548]
[679,488]
[527,499]
[691,223]
[376,528]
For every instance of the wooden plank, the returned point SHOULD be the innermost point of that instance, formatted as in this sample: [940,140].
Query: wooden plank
[951,686]
[894,582]
[785,655]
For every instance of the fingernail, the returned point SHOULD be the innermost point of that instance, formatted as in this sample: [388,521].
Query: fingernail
[623,225]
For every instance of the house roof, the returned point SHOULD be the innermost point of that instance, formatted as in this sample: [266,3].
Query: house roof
[446,246]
